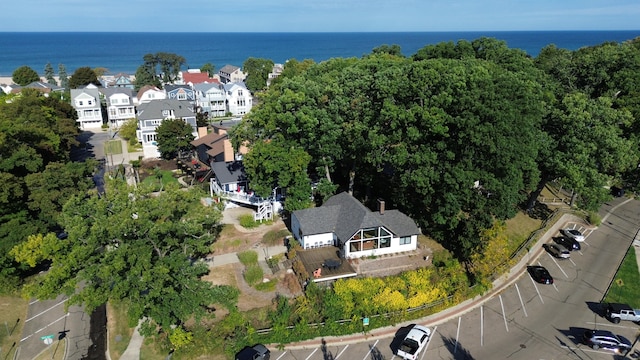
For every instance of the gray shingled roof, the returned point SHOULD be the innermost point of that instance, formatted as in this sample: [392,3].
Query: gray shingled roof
[230,172]
[153,109]
[343,215]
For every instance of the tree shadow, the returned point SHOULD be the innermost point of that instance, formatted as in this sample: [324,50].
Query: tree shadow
[398,337]
[539,211]
[326,354]
[375,353]
[458,351]
[571,336]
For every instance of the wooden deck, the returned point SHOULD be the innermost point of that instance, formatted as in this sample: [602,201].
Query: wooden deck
[314,259]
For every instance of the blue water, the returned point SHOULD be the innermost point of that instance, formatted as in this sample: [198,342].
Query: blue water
[123,52]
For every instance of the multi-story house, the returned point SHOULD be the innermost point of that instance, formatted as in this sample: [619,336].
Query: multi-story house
[211,99]
[238,97]
[230,74]
[119,105]
[195,76]
[150,116]
[86,101]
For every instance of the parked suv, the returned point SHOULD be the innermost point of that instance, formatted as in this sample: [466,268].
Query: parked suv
[617,312]
[256,352]
[606,340]
[415,341]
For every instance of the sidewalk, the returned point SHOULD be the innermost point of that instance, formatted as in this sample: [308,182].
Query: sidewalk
[498,285]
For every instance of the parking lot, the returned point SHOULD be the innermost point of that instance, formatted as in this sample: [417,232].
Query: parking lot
[526,320]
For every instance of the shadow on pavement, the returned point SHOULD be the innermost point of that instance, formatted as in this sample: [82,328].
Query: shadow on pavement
[455,349]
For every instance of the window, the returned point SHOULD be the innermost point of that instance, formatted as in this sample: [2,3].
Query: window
[405,240]
[182,96]
[89,102]
[112,112]
[239,92]
[80,103]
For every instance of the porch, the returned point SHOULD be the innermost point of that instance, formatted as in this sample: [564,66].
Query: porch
[325,264]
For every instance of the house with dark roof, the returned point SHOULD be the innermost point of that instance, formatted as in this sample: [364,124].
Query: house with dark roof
[342,221]
[151,114]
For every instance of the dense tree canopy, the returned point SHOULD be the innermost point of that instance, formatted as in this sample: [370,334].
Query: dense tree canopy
[83,76]
[24,75]
[36,177]
[457,135]
[132,246]
[257,71]
[159,68]
[174,135]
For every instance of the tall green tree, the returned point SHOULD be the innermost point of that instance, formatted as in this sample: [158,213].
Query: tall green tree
[174,135]
[257,71]
[24,75]
[83,76]
[64,78]
[49,74]
[129,245]
[208,68]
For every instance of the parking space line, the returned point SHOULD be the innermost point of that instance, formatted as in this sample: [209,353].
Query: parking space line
[370,349]
[481,325]
[522,302]
[559,267]
[44,327]
[44,311]
[310,355]
[536,287]
[341,352]
[455,348]
[424,352]
[504,316]
[574,264]
[280,357]
[609,324]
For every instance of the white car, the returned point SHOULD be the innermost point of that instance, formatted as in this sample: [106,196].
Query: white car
[415,341]
[574,234]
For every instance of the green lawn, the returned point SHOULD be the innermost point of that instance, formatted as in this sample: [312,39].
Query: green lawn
[13,312]
[166,178]
[113,147]
[624,288]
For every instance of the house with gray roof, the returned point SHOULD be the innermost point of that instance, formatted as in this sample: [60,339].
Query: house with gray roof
[88,106]
[119,104]
[151,114]
[342,221]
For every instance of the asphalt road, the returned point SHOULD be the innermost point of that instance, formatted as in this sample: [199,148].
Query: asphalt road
[526,320]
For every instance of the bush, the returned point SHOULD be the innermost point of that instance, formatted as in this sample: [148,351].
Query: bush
[267,286]
[247,222]
[253,275]
[248,258]
[594,219]
[275,237]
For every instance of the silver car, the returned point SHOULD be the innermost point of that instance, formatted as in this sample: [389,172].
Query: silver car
[558,251]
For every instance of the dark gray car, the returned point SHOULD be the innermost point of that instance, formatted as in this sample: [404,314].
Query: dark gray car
[256,352]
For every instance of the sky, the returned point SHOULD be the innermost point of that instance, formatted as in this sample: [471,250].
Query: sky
[317,15]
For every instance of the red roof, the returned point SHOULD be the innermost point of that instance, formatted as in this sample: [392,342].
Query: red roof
[198,78]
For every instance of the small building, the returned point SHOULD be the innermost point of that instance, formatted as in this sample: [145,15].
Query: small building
[343,222]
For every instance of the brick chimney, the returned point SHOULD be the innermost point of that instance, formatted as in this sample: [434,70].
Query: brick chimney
[381,206]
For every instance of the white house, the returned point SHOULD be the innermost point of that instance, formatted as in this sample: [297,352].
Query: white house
[149,93]
[211,98]
[119,104]
[342,221]
[150,116]
[275,72]
[231,73]
[86,101]
[238,98]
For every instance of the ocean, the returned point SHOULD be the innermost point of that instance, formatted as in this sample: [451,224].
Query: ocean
[123,52]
